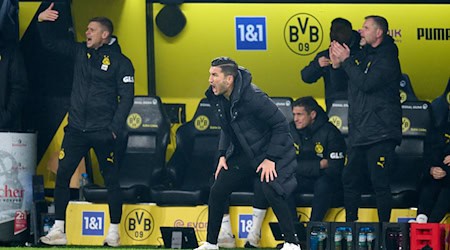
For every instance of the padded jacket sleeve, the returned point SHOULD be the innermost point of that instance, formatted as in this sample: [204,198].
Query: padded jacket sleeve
[18,87]
[312,72]
[335,153]
[125,90]
[54,43]
[266,111]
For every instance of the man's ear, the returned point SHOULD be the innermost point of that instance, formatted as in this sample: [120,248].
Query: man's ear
[379,33]
[105,34]
[313,114]
[230,79]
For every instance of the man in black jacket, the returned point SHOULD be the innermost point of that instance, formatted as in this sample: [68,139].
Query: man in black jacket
[254,138]
[434,201]
[375,116]
[336,86]
[102,96]
[13,85]
[320,149]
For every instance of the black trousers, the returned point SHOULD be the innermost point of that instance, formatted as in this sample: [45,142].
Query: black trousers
[74,147]
[239,171]
[323,187]
[434,199]
[379,158]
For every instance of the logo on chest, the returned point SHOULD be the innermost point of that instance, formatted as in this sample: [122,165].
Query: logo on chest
[105,63]
[319,149]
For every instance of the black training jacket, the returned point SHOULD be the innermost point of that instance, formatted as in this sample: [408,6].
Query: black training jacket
[261,129]
[320,140]
[374,101]
[13,86]
[103,83]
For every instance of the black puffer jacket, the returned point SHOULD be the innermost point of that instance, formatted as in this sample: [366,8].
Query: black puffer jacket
[103,83]
[13,86]
[320,140]
[374,101]
[261,129]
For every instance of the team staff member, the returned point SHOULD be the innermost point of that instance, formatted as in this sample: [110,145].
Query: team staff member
[336,87]
[320,152]
[102,96]
[375,116]
[13,85]
[434,200]
[254,138]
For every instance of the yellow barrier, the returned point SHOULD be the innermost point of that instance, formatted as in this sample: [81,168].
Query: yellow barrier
[88,223]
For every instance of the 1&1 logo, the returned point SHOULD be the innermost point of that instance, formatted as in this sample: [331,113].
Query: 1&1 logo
[93,223]
[245,224]
[303,34]
[251,33]
[139,224]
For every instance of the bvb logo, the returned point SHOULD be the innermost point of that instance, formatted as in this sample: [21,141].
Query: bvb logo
[134,121]
[406,124]
[337,121]
[403,96]
[201,123]
[318,148]
[303,34]
[139,224]
[448,97]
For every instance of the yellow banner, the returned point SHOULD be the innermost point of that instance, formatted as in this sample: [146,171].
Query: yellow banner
[88,223]
[275,41]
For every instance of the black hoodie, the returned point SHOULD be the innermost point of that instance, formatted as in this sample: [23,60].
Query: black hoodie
[320,140]
[374,101]
[103,83]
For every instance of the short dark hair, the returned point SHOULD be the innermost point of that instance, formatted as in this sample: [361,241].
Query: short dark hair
[228,65]
[341,30]
[381,22]
[309,103]
[105,22]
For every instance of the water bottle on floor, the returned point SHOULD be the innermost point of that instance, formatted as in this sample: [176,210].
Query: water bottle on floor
[83,182]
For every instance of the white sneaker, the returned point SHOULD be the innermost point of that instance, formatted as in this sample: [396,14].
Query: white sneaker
[253,240]
[226,240]
[207,246]
[290,246]
[112,239]
[55,237]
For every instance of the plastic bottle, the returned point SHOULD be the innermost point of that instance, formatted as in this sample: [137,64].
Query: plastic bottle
[362,239]
[370,240]
[338,239]
[349,238]
[400,240]
[83,182]
[46,225]
[322,236]
[314,240]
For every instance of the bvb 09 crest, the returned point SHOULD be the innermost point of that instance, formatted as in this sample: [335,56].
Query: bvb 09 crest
[303,34]
[201,123]
[134,121]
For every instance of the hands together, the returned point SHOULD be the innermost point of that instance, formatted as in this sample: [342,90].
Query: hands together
[338,53]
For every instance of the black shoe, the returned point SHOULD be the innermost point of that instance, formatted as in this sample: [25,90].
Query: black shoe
[248,245]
